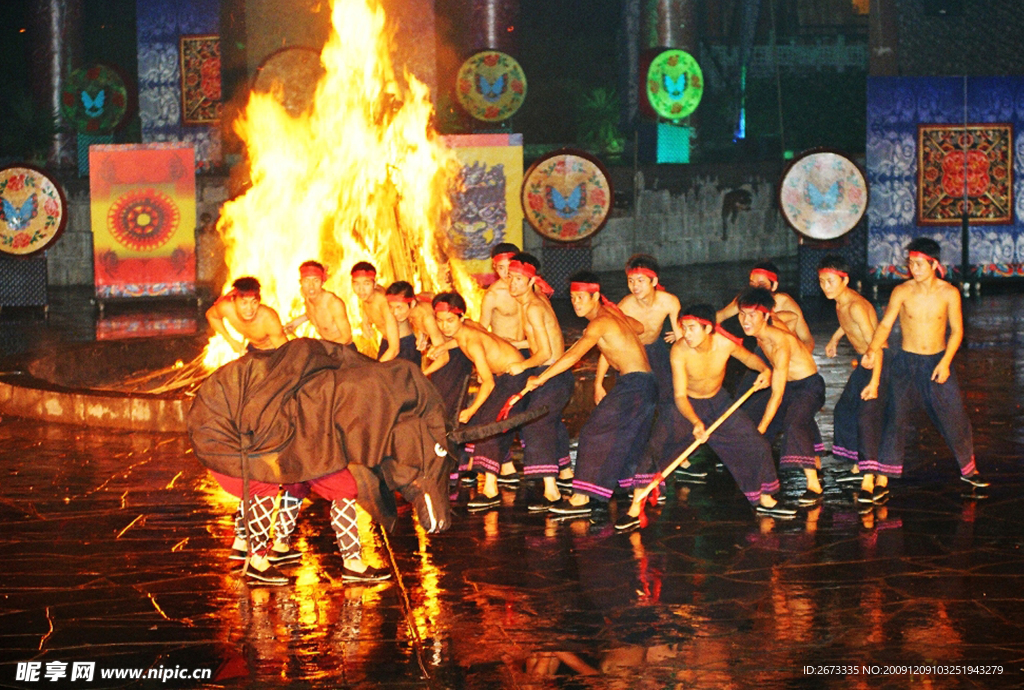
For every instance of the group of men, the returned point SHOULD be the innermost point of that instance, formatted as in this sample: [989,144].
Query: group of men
[669,386]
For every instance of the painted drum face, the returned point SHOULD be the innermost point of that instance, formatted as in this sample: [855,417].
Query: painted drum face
[491,86]
[675,84]
[823,195]
[33,211]
[94,99]
[567,195]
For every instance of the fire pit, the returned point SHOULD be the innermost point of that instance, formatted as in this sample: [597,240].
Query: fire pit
[107,384]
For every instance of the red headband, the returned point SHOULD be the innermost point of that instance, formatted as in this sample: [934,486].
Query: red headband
[640,270]
[841,274]
[584,287]
[503,255]
[444,306]
[521,268]
[758,307]
[718,327]
[364,273]
[773,277]
[312,272]
[400,298]
[921,255]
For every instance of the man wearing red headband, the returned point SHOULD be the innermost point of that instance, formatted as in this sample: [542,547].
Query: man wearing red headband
[614,436]
[797,392]
[493,358]
[417,328]
[373,308]
[649,304]
[324,309]
[699,360]
[254,321]
[499,311]
[857,418]
[545,440]
[766,275]
[919,372]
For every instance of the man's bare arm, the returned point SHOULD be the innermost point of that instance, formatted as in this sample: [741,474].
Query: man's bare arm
[591,335]
[881,336]
[535,317]
[216,318]
[475,352]
[780,372]
[833,342]
[602,371]
[487,309]
[955,319]
[729,310]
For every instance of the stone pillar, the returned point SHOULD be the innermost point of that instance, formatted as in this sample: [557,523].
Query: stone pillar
[56,41]
[494,25]
[670,24]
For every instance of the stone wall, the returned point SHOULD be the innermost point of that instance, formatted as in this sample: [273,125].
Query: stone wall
[686,215]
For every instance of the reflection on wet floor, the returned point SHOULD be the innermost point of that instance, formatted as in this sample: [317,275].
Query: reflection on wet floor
[116,544]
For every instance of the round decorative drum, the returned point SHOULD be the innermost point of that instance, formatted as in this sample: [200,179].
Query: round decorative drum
[823,195]
[292,74]
[567,195]
[675,84]
[491,86]
[94,99]
[33,210]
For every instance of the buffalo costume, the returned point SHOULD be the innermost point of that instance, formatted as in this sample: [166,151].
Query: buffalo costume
[910,386]
[312,408]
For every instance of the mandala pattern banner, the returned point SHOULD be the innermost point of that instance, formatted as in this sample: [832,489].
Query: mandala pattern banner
[909,120]
[143,204]
[485,205]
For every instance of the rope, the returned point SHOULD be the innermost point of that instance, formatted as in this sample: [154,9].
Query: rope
[414,632]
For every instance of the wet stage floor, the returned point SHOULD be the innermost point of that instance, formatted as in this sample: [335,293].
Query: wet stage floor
[115,552]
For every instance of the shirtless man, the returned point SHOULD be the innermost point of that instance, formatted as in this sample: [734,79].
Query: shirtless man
[857,420]
[919,372]
[649,304]
[261,326]
[766,275]
[797,392]
[324,309]
[545,440]
[500,310]
[255,322]
[373,308]
[416,325]
[613,437]
[699,360]
[493,358]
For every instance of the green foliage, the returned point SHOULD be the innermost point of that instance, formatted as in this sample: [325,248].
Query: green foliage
[597,121]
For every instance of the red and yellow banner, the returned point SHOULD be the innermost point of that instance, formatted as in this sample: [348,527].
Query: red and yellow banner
[143,202]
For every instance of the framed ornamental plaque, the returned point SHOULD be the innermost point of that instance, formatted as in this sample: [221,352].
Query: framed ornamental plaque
[491,86]
[33,210]
[94,99]
[567,195]
[675,84]
[823,195]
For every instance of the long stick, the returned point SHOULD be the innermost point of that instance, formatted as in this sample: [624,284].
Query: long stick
[638,498]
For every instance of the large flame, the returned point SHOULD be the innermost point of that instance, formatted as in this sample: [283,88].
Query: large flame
[361,175]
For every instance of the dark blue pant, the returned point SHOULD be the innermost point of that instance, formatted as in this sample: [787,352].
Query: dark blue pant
[546,440]
[489,453]
[794,419]
[406,349]
[910,386]
[613,438]
[858,423]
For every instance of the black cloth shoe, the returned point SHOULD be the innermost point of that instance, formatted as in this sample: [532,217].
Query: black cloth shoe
[599,513]
[508,479]
[270,576]
[563,507]
[778,510]
[483,503]
[284,556]
[690,473]
[849,477]
[880,494]
[975,480]
[564,484]
[468,479]
[541,505]
[865,496]
[627,522]
[371,574]
[237,555]
[809,498]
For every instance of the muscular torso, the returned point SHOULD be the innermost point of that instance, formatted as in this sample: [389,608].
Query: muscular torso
[858,320]
[505,313]
[264,332]
[774,341]
[705,371]
[327,314]
[374,309]
[652,315]
[619,343]
[499,353]
[923,316]
[551,331]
